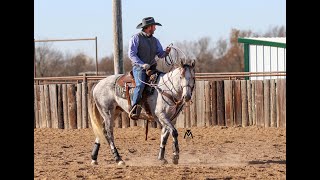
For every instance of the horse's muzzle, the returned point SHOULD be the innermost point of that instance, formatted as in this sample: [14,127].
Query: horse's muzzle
[187,98]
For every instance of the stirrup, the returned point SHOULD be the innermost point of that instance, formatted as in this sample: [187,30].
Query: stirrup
[133,114]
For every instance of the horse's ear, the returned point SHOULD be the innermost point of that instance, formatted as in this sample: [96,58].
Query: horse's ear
[193,62]
[181,62]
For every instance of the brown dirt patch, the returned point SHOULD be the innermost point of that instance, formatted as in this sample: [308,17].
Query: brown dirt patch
[213,153]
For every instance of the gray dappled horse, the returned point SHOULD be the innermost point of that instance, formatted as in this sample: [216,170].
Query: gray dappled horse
[173,89]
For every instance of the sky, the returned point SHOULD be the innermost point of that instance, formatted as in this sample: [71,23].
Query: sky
[182,20]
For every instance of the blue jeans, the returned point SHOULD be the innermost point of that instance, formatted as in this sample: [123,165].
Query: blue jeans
[139,74]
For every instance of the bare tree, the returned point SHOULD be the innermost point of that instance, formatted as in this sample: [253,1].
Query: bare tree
[220,48]
[201,51]
[106,64]
[223,56]
[276,32]
[48,60]
[77,64]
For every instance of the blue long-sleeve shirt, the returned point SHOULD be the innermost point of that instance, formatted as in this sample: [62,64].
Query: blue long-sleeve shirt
[133,50]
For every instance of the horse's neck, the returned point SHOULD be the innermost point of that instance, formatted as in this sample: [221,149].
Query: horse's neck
[170,83]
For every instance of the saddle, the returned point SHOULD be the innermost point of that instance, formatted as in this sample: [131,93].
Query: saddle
[126,80]
[125,85]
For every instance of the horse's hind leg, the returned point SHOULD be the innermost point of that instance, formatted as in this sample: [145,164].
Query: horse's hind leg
[95,151]
[109,117]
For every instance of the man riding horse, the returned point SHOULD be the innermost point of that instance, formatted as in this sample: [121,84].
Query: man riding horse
[143,48]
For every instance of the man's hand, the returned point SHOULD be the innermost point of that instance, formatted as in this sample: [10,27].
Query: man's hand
[146,66]
[168,49]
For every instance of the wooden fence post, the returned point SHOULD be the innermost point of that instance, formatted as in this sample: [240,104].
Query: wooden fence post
[72,106]
[37,106]
[229,106]
[193,108]
[249,97]
[47,105]
[180,120]
[237,102]
[244,104]
[125,120]
[79,105]
[65,106]
[221,104]
[259,103]
[90,100]
[273,103]
[281,102]
[187,114]
[53,105]
[266,102]
[60,108]
[207,102]
[253,107]
[214,103]
[84,104]
[200,103]
[43,120]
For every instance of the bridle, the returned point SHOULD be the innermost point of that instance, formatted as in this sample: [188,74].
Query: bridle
[188,85]
[178,104]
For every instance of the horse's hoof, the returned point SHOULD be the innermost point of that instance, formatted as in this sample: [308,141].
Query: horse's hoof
[163,161]
[94,162]
[121,163]
[175,159]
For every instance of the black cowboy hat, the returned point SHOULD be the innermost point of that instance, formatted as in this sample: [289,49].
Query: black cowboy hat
[147,21]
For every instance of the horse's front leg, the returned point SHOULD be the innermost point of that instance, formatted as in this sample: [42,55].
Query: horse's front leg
[164,137]
[175,146]
[169,128]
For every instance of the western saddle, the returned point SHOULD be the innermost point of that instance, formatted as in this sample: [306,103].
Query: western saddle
[126,83]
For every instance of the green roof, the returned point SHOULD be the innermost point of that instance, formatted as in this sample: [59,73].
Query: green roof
[275,42]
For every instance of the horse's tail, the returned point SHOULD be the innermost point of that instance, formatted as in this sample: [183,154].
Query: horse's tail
[95,118]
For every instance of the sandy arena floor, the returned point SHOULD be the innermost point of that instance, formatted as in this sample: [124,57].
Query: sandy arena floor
[212,153]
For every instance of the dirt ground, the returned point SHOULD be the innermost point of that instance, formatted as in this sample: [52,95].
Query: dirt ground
[212,153]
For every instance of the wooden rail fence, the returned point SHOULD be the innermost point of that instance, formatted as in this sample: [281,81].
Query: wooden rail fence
[243,103]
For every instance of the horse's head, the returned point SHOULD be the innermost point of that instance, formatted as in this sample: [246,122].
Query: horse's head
[187,79]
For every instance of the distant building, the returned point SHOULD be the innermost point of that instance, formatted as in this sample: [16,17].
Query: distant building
[263,54]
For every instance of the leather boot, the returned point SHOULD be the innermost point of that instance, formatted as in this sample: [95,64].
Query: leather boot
[134,112]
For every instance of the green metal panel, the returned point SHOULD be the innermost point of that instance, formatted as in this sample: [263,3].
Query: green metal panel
[246,59]
[247,42]
[260,42]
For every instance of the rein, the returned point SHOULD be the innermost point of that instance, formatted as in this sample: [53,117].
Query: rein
[178,104]
[169,61]
[173,99]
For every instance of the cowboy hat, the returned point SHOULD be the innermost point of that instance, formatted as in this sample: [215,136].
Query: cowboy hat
[147,21]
